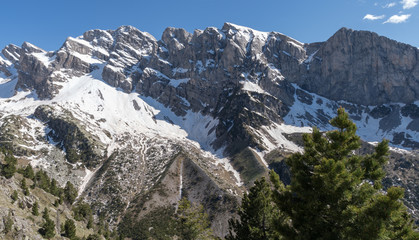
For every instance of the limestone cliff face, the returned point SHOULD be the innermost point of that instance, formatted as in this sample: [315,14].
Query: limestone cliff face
[356,66]
[364,68]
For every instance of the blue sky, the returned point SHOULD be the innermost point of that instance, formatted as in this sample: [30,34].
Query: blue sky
[48,23]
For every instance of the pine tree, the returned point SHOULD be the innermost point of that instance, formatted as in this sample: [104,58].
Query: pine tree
[70,193]
[106,232]
[53,188]
[42,180]
[69,229]
[28,172]
[48,228]
[257,214]
[82,211]
[24,187]
[35,209]
[193,221]
[337,194]
[45,214]
[14,196]
[90,222]
[94,237]
[9,168]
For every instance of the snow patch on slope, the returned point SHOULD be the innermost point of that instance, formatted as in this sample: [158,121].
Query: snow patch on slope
[252,87]
[7,86]
[248,33]
[85,180]
[86,58]
[272,136]
[102,108]
[44,58]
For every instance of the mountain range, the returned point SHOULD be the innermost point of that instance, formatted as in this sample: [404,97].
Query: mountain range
[136,123]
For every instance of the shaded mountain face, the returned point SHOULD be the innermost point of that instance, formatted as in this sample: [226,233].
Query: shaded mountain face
[136,122]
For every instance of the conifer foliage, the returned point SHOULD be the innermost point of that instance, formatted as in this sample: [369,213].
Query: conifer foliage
[48,228]
[193,221]
[70,193]
[24,187]
[70,229]
[257,214]
[334,193]
[9,168]
[35,209]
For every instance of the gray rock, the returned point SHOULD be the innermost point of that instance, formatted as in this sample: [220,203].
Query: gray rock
[364,68]
[34,74]
[392,120]
[12,53]
[410,110]
[30,48]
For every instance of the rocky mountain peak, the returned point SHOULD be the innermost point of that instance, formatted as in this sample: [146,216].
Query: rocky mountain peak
[30,48]
[132,36]
[12,53]
[232,28]
[176,34]
[100,38]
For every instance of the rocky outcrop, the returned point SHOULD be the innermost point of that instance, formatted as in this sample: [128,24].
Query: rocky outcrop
[34,74]
[12,53]
[15,135]
[130,48]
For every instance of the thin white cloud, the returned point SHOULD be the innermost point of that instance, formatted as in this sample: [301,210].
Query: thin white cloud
[373,17]
[398,18]
[407,4]
[390,5]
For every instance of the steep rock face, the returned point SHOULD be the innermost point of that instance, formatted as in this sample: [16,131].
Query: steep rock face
[8,56]
[364,68]
[12,53]
[204,72]
[34,74]
[130,47]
